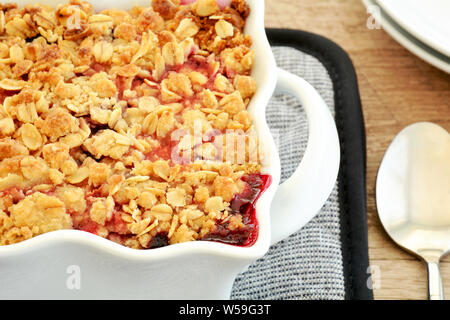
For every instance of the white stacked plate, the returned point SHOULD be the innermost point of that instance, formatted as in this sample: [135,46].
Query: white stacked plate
[421,26]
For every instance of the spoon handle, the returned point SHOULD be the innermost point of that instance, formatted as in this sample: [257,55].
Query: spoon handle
[435,290]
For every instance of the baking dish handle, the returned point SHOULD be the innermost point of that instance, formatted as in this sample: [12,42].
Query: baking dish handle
[300,197]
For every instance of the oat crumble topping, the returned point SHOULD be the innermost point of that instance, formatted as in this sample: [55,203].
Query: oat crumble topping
[98,119]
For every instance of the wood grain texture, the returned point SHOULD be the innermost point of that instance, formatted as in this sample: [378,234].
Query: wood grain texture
[397,89]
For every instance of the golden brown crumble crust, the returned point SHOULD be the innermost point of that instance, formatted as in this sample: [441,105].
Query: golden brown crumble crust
[89,105]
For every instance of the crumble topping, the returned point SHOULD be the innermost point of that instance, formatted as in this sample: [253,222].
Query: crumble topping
[131,125]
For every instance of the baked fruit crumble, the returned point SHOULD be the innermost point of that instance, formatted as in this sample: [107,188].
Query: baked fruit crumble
[131,125]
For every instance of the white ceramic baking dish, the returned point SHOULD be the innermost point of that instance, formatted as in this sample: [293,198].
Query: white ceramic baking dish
[72,264]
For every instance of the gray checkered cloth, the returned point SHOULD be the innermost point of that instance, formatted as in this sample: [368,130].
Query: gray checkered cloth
[307,265]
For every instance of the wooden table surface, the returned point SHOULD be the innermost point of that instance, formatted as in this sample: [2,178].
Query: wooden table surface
[397,89]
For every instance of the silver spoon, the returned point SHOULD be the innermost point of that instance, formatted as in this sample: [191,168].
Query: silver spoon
[413,196]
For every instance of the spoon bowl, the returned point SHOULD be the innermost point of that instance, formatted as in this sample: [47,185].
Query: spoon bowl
[413,195]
